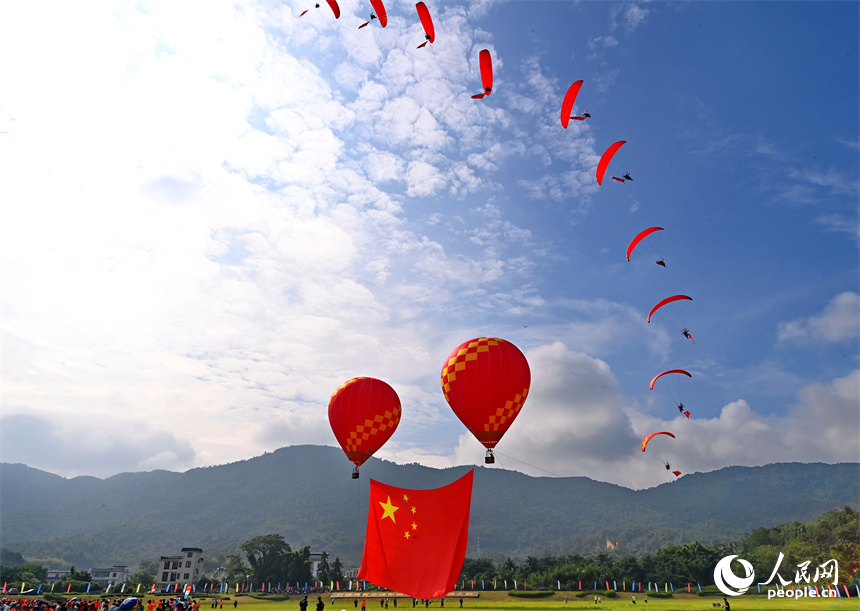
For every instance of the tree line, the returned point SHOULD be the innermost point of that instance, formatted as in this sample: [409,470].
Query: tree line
[834,536]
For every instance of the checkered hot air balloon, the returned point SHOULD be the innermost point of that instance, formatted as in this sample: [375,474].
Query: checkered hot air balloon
[486,381]
[363,413]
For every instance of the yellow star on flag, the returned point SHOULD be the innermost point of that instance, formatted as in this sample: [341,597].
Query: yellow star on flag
[421,555]
[405,498]
[388,510]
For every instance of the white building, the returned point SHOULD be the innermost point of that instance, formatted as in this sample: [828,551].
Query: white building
[112,575]
[57,575]
[183,568]
[315,560]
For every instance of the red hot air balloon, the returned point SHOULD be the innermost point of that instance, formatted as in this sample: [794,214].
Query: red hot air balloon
[486,381]
[363,414]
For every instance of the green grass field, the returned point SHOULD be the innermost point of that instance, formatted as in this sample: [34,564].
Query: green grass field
[500,601]
[492,601]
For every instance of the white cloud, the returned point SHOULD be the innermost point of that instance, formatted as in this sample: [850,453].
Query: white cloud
[841,224]
[839,322]
[211,225]
[634,15]
[424,179]
[69,446]
[576,422]
[834,181]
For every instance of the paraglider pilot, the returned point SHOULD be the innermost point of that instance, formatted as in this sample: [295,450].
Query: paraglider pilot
[627,176]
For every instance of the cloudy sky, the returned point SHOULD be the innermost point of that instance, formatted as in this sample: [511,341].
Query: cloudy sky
[213,214]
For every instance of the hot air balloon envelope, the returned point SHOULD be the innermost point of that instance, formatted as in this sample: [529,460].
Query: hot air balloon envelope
[486,381]
[363,413]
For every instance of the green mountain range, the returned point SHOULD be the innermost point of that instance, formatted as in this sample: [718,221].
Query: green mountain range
[305,493]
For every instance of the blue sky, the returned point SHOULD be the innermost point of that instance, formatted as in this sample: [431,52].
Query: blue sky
[214,215]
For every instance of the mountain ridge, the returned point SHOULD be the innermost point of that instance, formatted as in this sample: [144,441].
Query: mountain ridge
[305,494]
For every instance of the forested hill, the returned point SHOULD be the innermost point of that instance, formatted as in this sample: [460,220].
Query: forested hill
[305,494]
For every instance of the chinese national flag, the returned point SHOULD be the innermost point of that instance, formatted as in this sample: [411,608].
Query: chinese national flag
[416,539]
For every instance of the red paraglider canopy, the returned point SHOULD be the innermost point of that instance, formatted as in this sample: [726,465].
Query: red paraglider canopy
[486,70]
[486,74]
[427,23]
[363,414]
[334,9]
[486,381]
[640,237]
[380,12]
[567,104]
[665,301]
[648,438]
[606,158]
[686,373]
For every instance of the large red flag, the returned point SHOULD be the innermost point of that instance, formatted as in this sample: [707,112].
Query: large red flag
[416,539]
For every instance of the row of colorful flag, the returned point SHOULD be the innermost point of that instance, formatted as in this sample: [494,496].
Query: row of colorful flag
[223,588]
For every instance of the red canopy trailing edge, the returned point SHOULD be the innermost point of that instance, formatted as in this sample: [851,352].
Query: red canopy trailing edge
[567,104]
[363,413]
[486,74]
[640,237]
[427,23]
[334,8]
[665,301]
[648,438]
[686,373]
[380,12]
[486,381]
[607,157]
